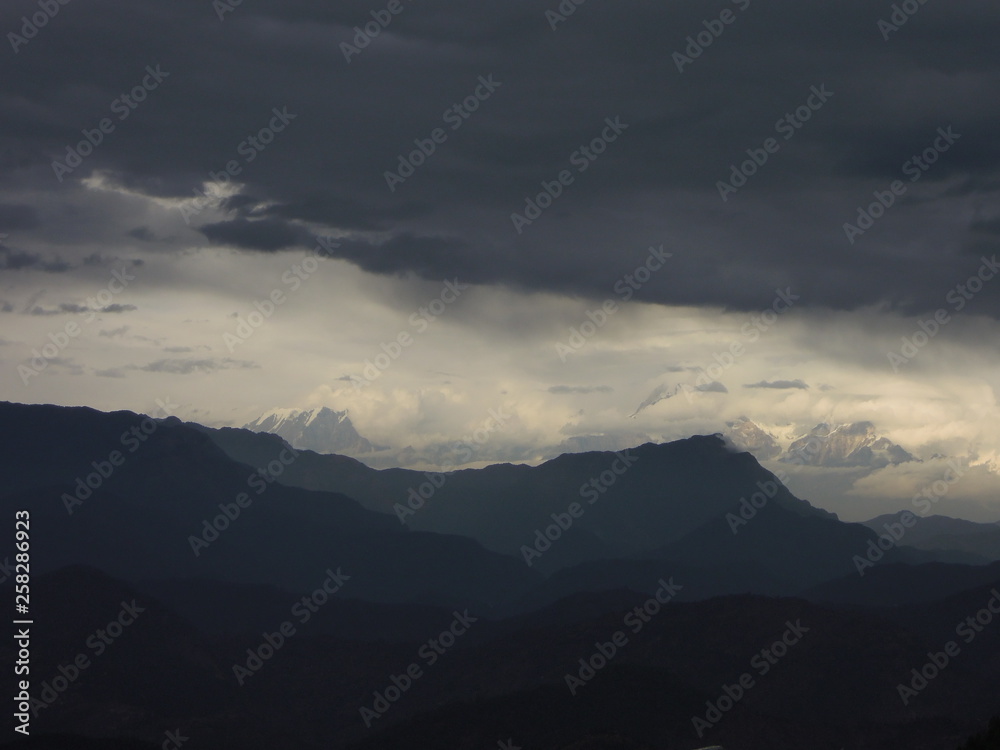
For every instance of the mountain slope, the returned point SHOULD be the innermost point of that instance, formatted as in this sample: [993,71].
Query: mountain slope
[981,541]
[629,502]
[177,506]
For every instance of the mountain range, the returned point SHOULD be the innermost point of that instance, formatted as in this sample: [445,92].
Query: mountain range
[468,597]
[853,445]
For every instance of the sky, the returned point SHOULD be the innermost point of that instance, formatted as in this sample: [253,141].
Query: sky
[424,211]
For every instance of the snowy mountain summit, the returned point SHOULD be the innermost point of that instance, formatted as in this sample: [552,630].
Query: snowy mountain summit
[854,445]
[322,430]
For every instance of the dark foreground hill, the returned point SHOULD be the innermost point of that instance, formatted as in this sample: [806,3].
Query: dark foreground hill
[749,672]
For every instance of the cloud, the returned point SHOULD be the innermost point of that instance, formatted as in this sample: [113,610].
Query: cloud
[63,309]
[563,390]
[713,387]
[66,364]
[17,216]
[114,332]
[17,260]
[190,366]
[779,384]
[71,308]
[178,366]
[265,235]
[663,392]
[659,394]
[141,233]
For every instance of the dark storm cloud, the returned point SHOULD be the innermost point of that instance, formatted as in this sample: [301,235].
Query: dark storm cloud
[987,226]
[779,384]
[14,216]
[265,234]
[426,256]
[655,183]
[142,233]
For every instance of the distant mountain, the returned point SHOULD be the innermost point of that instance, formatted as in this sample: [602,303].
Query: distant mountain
[854,445]
[978,540]
[749,436]
[322,430]
[587,443]
[890,585]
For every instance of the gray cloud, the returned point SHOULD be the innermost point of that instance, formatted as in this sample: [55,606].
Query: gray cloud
[114,332]
[178,366]
[141,233]
[189,366]
[19,260]
[264,234]
[779,384]
[713,387]
[70,308]
[561,390]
